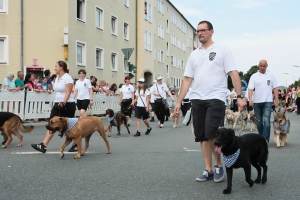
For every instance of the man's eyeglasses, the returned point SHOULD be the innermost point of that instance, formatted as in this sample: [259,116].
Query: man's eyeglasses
[203,30]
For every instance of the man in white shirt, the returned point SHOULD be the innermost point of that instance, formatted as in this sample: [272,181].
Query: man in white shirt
[208,66]
[264,83]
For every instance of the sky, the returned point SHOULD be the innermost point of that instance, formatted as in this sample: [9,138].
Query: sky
[253,30]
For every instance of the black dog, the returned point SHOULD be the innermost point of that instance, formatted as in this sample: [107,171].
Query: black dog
[242,151]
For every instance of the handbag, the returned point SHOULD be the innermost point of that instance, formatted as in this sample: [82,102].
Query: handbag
[148,116]
[160,100]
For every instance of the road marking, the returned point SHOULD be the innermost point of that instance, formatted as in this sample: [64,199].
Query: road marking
[48,152]
[190,150]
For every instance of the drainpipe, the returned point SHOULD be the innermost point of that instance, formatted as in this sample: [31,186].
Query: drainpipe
[136,39]
[22,41]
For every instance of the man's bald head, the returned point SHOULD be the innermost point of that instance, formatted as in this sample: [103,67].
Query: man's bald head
[263,64]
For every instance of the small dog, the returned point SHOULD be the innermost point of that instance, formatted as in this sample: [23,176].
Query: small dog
[83,128]
[244,120]
[281,126]
[176,120]
[237,116]
[230,118]
[116,120]
[253,121]
[240,152]
[10,124]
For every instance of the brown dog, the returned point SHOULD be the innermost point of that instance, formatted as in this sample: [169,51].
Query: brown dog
[116,120]
[83,128]
[281,126]
[252,121]
[10,124]
[176,120]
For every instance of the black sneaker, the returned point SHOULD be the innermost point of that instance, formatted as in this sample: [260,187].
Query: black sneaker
[39,147]
[74,148]
[137,134]
[128,125]
[152,119]
[167,119]
[148,131]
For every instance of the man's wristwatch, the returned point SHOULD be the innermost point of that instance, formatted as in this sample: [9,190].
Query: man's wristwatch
[240,96]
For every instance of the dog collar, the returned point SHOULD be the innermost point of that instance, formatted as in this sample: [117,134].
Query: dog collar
[231,159]
[111,118]
[72,122]
[284,127]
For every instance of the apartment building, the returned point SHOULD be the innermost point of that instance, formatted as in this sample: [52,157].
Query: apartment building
[90,35]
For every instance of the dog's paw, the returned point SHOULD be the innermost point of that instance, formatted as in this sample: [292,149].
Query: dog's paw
[19,145]
[77,157]
[118,134]
[62,156]
[227,191]
[264,180]
[251,183]
[3,147]
[108,152]
[109,135]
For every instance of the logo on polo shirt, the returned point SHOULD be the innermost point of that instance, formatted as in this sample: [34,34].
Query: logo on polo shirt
[128,88]
[212,56]
[268,82]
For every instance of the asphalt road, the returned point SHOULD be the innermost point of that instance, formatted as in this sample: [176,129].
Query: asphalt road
[162,165]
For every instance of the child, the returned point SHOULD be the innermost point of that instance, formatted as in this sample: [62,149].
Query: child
[39,88]
[44,84]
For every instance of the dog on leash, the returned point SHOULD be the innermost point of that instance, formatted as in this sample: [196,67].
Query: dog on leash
[244,119]
[176,120]
[281,126]
[116,120]
[10,124]
[230,118]
[78,128]
[253,121]
[242,152]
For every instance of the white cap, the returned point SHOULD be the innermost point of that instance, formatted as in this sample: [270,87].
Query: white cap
[141,80]
[158,77]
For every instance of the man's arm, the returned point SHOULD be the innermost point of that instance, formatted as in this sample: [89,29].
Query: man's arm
[275,90]
[236,81]
[186,83]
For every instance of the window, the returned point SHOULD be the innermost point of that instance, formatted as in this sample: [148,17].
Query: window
[125,65]
[167,26]
[81,10]
[178,62]
[114,25]
[99,18]
[160,56]
[178,43]
[172,61]
[3,49]
[114,61]
[80,54]
[167,48]
[3,6]
[160,31]
[126,31]
[147,8]
[99,58]
[126,3]
[147,41]
[160,6]
[178,22]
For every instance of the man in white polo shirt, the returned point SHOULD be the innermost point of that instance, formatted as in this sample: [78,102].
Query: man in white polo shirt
[209,66]
[264,83]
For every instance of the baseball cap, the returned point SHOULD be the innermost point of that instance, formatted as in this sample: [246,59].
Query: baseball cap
[158,77]
[141,80]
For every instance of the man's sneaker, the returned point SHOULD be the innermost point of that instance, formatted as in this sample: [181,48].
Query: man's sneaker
[161,126]
[39,147]
[148,131]
[205,176]
[74,148]
[137,134]
[218,174]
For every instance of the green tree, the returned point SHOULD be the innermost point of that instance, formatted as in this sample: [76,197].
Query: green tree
[246,76]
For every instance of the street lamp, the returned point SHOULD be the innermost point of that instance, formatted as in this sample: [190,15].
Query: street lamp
[285,80]
[296,66]
[292,75]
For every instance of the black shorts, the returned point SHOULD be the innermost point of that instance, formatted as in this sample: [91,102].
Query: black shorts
[152,106]
[207,117]
[83,104]
[141,113]
[69,110]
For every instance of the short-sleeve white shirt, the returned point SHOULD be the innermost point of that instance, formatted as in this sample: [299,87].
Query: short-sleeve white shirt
[162,89]
[263,85]
[142,97]
[209,68]
[60,88]
[83,89]
[152,96]
[126,91]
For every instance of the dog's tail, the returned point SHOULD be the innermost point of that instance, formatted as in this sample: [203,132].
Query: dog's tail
[25,129]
